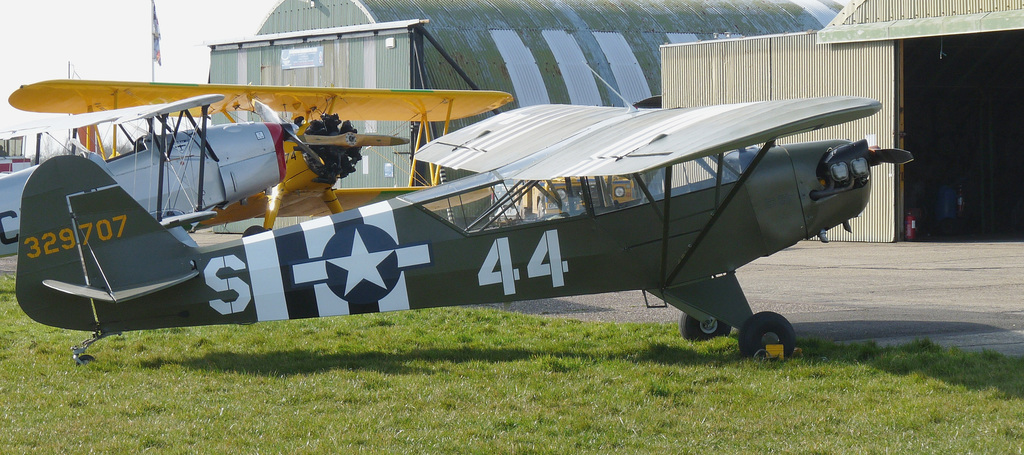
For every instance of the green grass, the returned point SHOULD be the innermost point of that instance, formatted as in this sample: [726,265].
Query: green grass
[485,381]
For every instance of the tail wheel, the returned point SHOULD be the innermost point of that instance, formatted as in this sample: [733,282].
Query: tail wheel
[694,329]
[766,328]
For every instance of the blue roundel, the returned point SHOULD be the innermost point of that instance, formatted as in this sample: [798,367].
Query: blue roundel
[370,268]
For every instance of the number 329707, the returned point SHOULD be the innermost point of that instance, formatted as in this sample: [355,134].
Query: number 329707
[64,239]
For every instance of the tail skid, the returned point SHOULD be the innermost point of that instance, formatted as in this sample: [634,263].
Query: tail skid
[86,238]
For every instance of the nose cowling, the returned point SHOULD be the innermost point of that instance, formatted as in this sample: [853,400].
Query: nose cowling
[848,167]
[842,182]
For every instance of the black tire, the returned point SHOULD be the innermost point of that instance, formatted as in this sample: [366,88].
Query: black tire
[694,329]
[84,359]
[253,230]
[765,328]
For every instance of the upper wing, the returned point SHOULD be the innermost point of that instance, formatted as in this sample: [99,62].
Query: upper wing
[115,116]
[78,96]
[550,141]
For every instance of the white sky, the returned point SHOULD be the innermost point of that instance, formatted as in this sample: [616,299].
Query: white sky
[110,40]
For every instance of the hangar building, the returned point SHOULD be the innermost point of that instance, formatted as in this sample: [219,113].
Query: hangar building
[947,73]
[541,51]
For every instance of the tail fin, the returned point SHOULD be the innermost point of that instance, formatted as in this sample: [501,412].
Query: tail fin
[85,242]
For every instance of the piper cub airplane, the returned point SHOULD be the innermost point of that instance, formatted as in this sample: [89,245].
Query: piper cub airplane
[669,201]
[218,174]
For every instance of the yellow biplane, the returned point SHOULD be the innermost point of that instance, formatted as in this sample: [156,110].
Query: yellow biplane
[304,190]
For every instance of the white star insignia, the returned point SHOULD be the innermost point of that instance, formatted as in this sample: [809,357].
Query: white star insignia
[361,265]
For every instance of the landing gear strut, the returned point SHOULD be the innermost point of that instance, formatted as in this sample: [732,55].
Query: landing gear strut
[694,329]
[78,352]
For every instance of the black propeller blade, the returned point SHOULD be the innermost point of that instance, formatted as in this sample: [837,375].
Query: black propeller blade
[895,156]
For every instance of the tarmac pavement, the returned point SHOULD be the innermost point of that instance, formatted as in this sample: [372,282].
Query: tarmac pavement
[964,294]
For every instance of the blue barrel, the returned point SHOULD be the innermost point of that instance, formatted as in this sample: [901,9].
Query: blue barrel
[945,204]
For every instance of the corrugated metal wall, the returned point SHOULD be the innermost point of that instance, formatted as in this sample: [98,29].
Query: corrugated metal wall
[619,40]
[793,66]
[871,11]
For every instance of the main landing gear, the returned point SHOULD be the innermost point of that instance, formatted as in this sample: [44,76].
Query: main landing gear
[694,329]
[763,329]
[78,352]
[757,332]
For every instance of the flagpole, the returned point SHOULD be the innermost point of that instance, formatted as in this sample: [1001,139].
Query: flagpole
[154,43]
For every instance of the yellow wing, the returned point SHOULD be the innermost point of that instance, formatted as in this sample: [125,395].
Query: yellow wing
[304,203]
[78,96]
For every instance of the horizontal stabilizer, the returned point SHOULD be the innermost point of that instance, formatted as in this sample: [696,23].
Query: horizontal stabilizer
[119,295]
[187,219]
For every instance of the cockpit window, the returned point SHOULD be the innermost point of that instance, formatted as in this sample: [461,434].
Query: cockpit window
[515,202]
[485,201]
[701,173]
[504,203]
[605,194]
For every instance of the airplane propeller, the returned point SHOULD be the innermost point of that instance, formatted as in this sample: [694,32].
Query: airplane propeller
[314,160]
[849,166]
[894,156]
[354,140]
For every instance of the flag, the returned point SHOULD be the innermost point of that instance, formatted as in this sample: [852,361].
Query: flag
[156,37]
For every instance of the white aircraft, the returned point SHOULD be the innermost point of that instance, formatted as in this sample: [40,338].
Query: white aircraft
[219,173]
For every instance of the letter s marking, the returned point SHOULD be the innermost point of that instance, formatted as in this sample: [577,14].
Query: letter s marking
[229,263]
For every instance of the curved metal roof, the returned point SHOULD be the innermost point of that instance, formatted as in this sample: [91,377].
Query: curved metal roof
[560,51]
[704,18]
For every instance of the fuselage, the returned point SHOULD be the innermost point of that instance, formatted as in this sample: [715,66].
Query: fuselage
[484,239]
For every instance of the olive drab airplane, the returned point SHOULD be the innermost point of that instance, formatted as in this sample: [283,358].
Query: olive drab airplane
[241,159]
[568,200]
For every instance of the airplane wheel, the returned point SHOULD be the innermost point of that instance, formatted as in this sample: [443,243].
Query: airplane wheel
[766,328]
[84,359]
[694,329]
[253,230]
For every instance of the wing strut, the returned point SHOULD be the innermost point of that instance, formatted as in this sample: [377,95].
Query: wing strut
[161,146]
[667,188]
[719,208]
[202,156]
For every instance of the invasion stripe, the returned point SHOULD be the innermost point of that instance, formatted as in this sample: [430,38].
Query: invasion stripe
[265,277]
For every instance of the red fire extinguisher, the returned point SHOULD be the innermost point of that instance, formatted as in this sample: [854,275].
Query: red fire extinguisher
[910,227]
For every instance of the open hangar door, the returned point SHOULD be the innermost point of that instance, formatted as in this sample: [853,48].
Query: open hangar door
[965,125]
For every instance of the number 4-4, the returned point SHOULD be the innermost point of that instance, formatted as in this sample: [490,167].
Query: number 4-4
[497,267]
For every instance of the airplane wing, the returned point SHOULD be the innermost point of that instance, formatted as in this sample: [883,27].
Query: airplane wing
[305,203]
[115,116]
[551,141]
[78,96]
